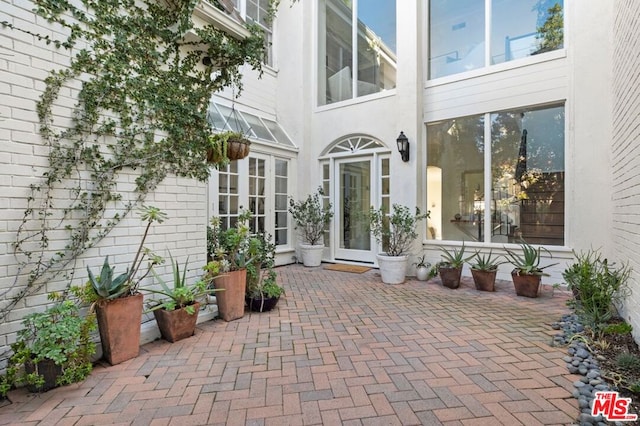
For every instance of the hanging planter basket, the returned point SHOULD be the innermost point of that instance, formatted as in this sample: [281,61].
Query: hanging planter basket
[238,148]
[227,146]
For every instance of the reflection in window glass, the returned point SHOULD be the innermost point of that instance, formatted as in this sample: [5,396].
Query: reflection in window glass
[228,195]
[370,66]
[526,199]
[258,128]
[235,121]
[455,178]
[518,29]
[277,132]
[527,155]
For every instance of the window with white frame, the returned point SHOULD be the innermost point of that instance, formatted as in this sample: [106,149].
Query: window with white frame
[505,189]
[257,11]
[470,34]
[356,48]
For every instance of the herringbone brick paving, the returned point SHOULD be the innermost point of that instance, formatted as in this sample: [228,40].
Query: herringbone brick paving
[340,348]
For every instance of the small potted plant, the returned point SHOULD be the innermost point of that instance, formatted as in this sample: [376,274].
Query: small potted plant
[422,268]
[450,268]
[311,217]
[225,146]
[484,268]
[527,272]
[117,302]
[395,232]
[263,291]
[54,348]
[231,255]
[177,313]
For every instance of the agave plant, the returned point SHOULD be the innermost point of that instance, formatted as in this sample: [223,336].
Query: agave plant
[453,258]
[528,263]
[485,262]
[105,285]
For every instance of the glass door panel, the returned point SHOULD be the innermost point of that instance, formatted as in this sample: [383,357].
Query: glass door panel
[352,207]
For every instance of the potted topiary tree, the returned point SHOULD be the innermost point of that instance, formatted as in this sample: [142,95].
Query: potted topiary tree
[527,272]
[395,232]
[311,217]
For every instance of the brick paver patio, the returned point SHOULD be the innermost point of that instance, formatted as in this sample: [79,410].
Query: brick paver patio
[340,348]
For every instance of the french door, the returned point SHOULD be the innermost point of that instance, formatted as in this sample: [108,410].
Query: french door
[360,183]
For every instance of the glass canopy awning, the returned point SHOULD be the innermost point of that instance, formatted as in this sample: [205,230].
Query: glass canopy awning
[223,118]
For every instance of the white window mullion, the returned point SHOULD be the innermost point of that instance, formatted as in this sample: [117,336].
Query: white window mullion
[488,225]
[487,34]
[354,49]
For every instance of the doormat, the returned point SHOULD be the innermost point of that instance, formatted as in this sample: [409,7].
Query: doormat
[347,268]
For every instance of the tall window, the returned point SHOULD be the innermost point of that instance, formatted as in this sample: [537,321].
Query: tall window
[256,11]
[357,48]
[516,29]
[228,206]
[521,195]
[281,177]
[257,195]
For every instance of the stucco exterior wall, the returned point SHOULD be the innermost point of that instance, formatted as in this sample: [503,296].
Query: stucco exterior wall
[24,64]
[625,150]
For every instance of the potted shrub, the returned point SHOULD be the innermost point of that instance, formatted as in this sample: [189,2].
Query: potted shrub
[527,272]
[450,268]
[177,313]
[227,271]
[311,218]
[422,268]
[395,232]
[117,301]
[484,268]
[263,291]
[54,348]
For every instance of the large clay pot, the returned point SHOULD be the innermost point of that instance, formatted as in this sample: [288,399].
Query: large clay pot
[230,298]
[119,325]
[484,280]
[177,324]
[526,285]
[450,277]
[393,269]
[311,254]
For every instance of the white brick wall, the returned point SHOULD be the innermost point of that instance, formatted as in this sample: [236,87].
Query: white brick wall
[24,63]
[626,148]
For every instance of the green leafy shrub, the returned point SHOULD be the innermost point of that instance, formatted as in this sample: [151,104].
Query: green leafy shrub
[628,361]
[311,216]
[396,230]
[598,286]
[619,328]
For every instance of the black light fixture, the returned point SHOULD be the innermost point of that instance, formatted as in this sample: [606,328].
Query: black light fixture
[403,146]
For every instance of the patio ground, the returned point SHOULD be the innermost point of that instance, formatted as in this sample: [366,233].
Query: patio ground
[340,348]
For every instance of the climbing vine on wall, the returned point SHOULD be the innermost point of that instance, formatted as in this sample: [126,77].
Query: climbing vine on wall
[139,92]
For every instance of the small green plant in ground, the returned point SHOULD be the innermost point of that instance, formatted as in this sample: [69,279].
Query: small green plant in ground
[619,328]
[598,287]
[628,361]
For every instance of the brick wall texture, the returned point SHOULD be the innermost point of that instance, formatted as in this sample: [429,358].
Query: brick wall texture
[24,64]
[626,148]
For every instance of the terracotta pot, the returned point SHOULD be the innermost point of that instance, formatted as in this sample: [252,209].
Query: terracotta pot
[484,280]
[231,297]
[48,370]
[450,276]
[237,149]
[177,324]
[258,304]
[526,285]
[119,325]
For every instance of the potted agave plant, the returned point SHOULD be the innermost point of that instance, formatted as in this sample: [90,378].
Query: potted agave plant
[395,232]
[527,272]
[117,300]
[177,312]
[450,267]
[311,217]
[484,268]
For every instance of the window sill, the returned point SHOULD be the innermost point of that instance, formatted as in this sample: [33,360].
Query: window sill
[353,101]
[498,68]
